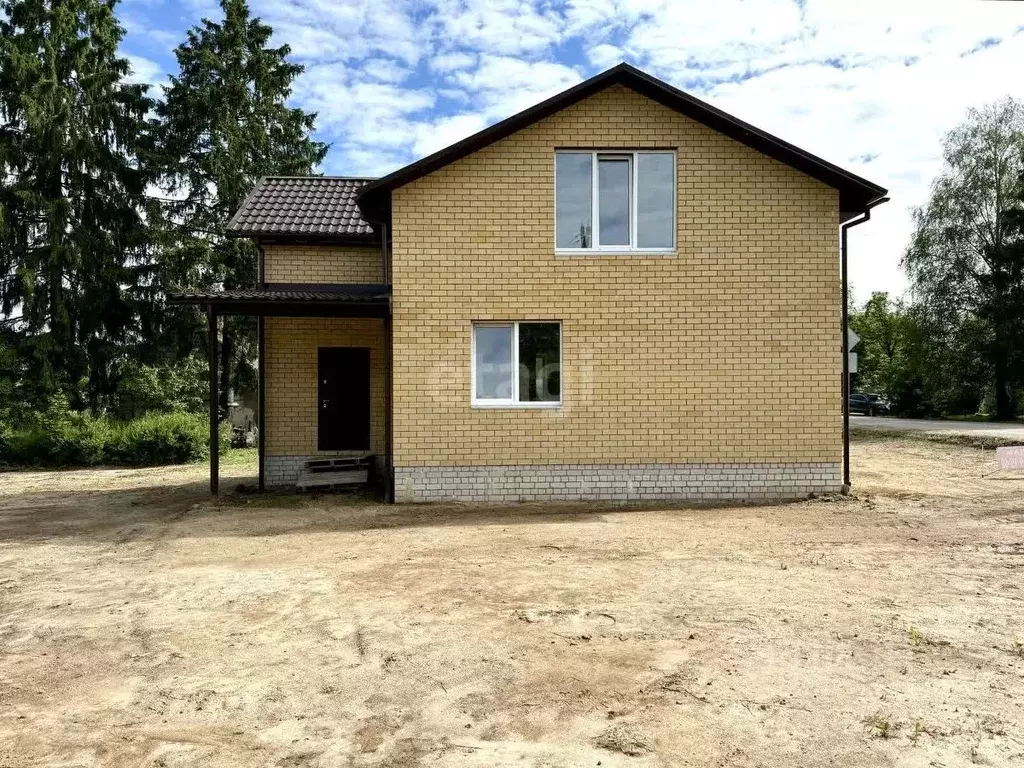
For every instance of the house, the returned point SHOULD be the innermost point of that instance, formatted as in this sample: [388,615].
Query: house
[621,292]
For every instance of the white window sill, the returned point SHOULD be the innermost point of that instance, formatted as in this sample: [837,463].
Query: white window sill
[537,405]
[612,252]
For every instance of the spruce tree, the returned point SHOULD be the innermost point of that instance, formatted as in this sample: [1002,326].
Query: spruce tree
[72,236]
[225,123]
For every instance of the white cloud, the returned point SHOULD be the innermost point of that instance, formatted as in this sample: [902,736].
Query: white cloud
[872,90]
[363,114]
[396,121]
[871,85]
[385,70]
[355,160]
[604,55]
[351,30]
[150,37]
[504,85]
[499,26]
[453,94]
[145,71]
[445,63]
[431,137]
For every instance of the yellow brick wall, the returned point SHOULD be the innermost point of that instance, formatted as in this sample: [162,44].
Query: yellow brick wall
[291,379]
[321,264]
[726,351]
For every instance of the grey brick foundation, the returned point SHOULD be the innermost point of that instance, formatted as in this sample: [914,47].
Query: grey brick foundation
[617,482]
[284,471]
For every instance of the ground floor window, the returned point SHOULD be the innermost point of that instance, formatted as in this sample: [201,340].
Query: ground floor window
[517,364]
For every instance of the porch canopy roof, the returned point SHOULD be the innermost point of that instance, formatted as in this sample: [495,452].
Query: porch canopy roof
[294,300]
[276,300]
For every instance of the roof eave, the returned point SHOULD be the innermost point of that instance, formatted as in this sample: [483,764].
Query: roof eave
[368,240]
[233,221]
[365,302]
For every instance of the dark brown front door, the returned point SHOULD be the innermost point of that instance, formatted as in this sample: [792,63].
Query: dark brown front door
[344,392]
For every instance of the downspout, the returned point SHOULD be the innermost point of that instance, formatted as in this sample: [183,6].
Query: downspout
[389,474]
[844,228]
[385,267]
[389,468]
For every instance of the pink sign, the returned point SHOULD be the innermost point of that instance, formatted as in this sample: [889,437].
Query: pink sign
[1010,457]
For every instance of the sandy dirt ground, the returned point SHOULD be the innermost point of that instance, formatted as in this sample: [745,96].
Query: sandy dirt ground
[142,624]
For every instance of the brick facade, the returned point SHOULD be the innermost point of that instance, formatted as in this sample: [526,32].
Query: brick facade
[322,264]
[290,421]
[709,373]
[726,352]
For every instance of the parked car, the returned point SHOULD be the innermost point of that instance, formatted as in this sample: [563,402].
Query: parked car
[868,404]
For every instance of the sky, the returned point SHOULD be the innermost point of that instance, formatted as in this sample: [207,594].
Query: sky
[870,86]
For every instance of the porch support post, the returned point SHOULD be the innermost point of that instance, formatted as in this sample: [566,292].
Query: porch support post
[389,468]
[261,420]
[211,319]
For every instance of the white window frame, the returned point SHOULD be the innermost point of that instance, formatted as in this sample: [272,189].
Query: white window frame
[514,401]
[595,207]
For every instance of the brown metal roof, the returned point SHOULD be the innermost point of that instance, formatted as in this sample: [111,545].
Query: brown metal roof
[294,301]
[856,193]
[187,297]
[314,207]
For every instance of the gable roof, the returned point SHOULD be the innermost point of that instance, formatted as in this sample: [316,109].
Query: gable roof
[315,207]
[855,192]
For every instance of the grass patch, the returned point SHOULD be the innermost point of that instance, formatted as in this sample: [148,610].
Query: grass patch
[240,457]
[983,418]
[880,726]
[980,440]
[921,641]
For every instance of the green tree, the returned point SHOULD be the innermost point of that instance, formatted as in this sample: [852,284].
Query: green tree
[878,325]
[225,123]
[890,353]
[965,257]
[923,369]
[72,237]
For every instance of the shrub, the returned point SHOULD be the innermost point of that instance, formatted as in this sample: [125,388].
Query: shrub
[59,437]
[145,389]
[160,438]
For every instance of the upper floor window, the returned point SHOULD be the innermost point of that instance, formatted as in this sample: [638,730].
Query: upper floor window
[615,201]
